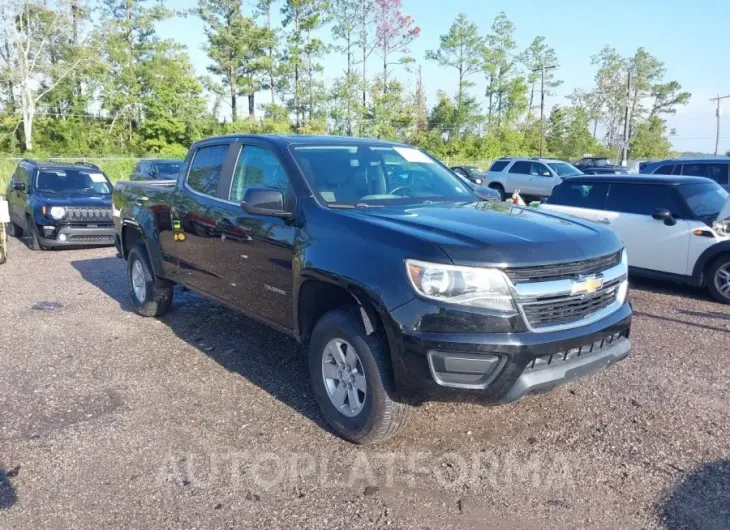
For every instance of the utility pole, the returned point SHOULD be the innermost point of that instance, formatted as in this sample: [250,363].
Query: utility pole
[718,113]
[627,118]
[542,69]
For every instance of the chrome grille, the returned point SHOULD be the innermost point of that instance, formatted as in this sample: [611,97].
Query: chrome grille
[562,271]
[563,310]
[91,215]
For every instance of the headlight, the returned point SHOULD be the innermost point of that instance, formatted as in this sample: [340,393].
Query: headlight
[57,212]
[469,286]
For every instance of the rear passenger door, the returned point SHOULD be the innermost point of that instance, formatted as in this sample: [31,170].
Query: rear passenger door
[204,187]
[650,243]
[518,177]
[254,252]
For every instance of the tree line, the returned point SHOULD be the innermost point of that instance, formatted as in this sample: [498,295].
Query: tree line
[83,77]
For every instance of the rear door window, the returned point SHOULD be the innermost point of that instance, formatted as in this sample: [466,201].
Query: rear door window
[521,168]
[499,165]
[205,171]
[580,195]
[642,199]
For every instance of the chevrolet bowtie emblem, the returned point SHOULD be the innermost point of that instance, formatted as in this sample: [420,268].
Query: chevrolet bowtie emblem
[587,285]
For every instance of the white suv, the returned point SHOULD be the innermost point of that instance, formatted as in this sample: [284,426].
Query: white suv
[673,227]
[534,177]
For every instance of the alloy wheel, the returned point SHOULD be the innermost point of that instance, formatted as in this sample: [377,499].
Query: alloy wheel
[344,377]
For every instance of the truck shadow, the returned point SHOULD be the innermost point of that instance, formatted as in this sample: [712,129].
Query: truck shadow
[271,360]
[7,492]
[701,499]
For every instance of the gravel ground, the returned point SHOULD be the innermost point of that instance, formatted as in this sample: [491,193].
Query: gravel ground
[205,419]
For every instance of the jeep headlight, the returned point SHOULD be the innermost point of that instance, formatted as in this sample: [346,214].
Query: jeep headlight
[469,286]
[57,212]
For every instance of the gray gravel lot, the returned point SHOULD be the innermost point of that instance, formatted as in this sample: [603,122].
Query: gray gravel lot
[204,419]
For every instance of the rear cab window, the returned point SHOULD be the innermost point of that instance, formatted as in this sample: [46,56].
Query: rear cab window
[666,169]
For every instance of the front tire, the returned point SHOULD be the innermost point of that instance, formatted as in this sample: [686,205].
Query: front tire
[499,189]
[34,241]
[352,379]
[151,296]
[718,279]
[14,230]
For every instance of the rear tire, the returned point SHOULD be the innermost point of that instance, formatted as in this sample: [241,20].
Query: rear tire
[151,296]
[499,189]
[378,413]
[718,279]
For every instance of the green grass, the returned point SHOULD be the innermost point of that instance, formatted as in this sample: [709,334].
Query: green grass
[116,169]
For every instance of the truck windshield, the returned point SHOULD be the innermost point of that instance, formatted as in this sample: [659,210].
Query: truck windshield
[563,169]
[378,174]
[89,182]
[705,200]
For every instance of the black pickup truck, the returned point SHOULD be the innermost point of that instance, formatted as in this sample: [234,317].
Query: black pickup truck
[403,284]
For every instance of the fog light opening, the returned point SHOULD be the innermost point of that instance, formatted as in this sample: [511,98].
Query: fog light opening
[62,237]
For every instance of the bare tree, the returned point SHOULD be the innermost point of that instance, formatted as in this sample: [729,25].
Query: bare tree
[30,30]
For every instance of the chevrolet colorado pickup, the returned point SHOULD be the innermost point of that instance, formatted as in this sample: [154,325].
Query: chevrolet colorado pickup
[403,285]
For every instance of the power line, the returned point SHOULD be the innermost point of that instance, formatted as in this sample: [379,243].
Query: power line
[718,112]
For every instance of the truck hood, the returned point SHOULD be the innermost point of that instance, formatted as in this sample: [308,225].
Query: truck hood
[496,233]
[73,199]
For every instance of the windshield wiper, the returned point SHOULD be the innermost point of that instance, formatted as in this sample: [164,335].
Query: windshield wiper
[351,206]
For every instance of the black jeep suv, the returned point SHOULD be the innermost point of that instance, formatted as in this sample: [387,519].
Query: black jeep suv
[59,205]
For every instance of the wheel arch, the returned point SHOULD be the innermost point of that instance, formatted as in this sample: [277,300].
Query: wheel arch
[707,258]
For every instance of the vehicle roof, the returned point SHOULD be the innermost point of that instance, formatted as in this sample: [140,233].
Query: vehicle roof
[534,159]
[709,159]
[667,180]
[60,165]
[306,139]
[176,160]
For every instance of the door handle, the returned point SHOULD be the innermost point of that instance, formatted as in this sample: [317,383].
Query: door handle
[606,221]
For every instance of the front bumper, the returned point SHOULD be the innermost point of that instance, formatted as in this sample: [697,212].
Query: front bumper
[74,236]
[501,367]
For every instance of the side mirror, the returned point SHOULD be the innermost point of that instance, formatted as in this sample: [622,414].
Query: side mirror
[152,173]
[263,200]
[18,186]
[662,214]
[546,174]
